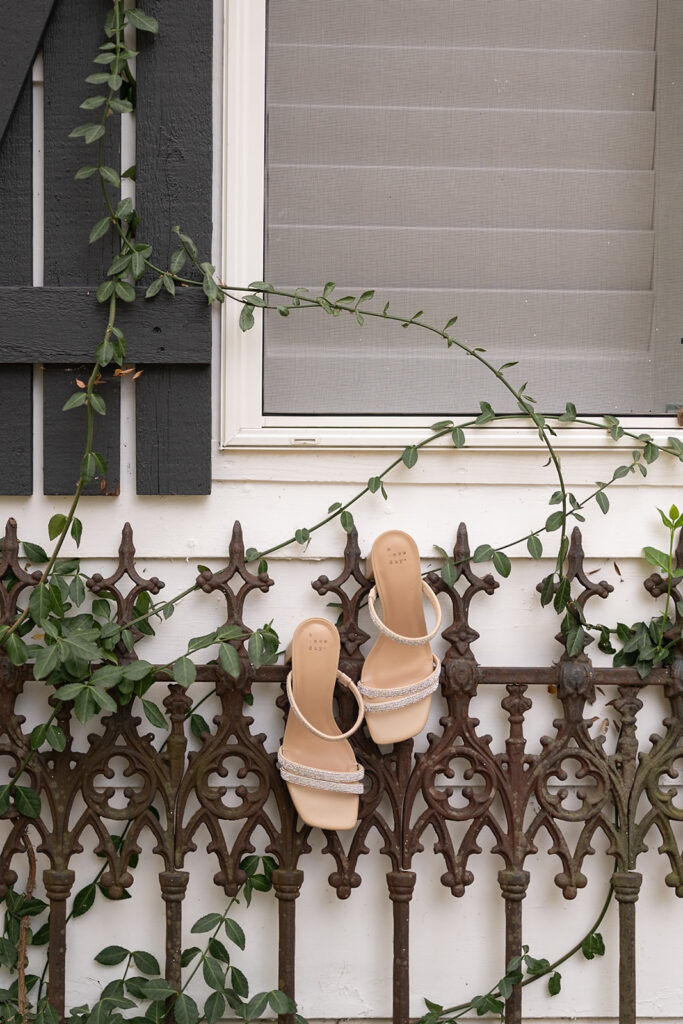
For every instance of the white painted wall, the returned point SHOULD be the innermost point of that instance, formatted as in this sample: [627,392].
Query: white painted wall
[500,489]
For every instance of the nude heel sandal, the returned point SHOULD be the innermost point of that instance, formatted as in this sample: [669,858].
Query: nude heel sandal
[316,759]
[400,672]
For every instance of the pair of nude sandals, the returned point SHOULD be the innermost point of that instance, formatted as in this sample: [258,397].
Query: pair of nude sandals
[399,676]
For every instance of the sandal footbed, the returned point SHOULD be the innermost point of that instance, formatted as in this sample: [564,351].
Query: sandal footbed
[396,567]
[315,657]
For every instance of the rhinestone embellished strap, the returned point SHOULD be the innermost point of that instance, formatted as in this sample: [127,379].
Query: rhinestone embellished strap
[350,685]
[320,778]
[402,696]
[410,641]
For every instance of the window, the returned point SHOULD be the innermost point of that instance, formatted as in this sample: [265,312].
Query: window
[514,162]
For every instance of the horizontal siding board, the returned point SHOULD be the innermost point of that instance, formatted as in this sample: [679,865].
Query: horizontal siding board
[22,30]
[462,257]
[173,430]
[45,324]
[621,140]
[461,197]
[16,264]
[457,77]
[174,174]
[63,448]
[570,24]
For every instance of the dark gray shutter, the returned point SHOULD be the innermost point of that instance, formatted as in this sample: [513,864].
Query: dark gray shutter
[60,324]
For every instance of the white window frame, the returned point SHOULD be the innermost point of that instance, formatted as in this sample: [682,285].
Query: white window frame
[243,424]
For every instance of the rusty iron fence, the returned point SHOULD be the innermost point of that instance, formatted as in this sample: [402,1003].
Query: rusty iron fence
[517,799]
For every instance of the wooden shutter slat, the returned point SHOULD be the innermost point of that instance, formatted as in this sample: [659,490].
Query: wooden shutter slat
[22,29]
[62,458]
[174,411]
[71,40]
[16,264]
[69,321]
[174,165]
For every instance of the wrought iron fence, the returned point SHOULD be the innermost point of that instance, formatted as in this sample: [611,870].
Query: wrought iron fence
[621,794]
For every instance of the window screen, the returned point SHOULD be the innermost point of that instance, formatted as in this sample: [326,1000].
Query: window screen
[496,159]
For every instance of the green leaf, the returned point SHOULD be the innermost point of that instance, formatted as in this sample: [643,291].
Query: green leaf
[188,955]
[125,291]
[199,725]
[603,501]
[207,923]
[39,603]
[145,962]
[257,1005]
[123,211]
[534,546]
[569,414]
[78,398]
[487,414]
[34,552]
[230,661]
[120,106]
[234,932]
[70,691]
[547,589]
[214,1008]
[137,670]
[442,425]
[47,660]
[365,297]
[218,950]
[183,671]
[85,172]
[657,558]
[458,437]
[137,264]
[575,641]
[76,531]
[110,175]
[214,974]
[501,563]
[562,594]
[56,738]
[157,989]
[409,456]
[27,801]
[111,955]
[302,535]
[483,553]
[97,404]
[154,715]
[16,650]
[84,900]
[239,983]
[554,983]
[374,484]
[247,317]
[143,21]
[346,520]
[99,229]
[554,521]
[619,472]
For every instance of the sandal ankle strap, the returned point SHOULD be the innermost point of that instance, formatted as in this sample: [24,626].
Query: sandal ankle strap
[350,685]
[409,641]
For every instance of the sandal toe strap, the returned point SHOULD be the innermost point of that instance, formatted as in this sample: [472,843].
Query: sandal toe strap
[320,778]
[401,696]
